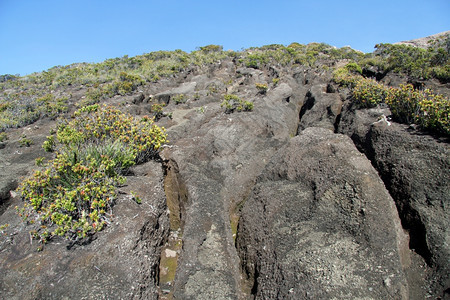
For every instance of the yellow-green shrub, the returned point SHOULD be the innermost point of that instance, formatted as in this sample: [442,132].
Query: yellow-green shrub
[234,103]
[343,76]
[368,92]
[428,110]
[73,195]
[261,87]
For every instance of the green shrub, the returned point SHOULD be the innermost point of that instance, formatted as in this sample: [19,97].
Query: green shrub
[414,61]
[180,98]
[344,77]
[408,105]
[49,144]
[3,106]
[51,106]
[93,96]
[39,161]
[234,103]
[442,73]
[428,110]
[157,110]
[74,194]
[247,106]
[353,68]
[368,92]
[3,136]
[25,142]
[212,48]
[255,61]
[261,87]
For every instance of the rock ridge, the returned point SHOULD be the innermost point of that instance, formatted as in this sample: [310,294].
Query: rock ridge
[302,197]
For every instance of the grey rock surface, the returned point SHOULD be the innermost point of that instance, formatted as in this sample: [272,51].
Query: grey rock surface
[219,156]
[321,109]
[120,263]
[316,220]
[416,170]
[319,224]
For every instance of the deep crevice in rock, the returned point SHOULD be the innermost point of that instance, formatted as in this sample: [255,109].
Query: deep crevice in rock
[308,104]
[176,198]
[409,217]
[176,194]
[254,289]
[152,236]
[336,123]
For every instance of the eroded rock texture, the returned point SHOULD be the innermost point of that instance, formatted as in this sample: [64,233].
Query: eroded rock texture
[320,224]
[332,202]
[121,263]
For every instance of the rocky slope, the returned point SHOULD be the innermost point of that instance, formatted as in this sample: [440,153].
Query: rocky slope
[303,197]
[425,41]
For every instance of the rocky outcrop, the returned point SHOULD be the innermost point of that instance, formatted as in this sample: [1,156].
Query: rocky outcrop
[121,263]
[319,224]
[416,170]
[425,41]
[321,109]
[218,157]
[316,217]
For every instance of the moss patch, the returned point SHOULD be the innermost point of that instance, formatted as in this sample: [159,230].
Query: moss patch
[168,265]
[234,220]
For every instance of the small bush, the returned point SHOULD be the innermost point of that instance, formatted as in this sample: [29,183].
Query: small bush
[157,110]
[3,136]
[247,106]
[442,73]
[39,161]
[180,98]
[234,103]
[25,142]
[212,48]
[49,144]
[74,194]
[368,92]
[255,61]
[428,110]
[344,77]
[261,87]
[353,68]
[4,106]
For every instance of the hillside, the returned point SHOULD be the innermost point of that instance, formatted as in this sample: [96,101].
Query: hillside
[276,172]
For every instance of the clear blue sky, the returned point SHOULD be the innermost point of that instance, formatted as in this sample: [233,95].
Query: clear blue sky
[38,34]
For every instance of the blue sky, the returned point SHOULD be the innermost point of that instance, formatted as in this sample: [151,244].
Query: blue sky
[37,35]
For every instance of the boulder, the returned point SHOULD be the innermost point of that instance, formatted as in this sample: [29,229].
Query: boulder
[320,109]
[416,170]
[319,224]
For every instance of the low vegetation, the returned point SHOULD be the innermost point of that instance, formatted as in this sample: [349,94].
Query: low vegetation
[424,108]
[415,62]
[261,87]
[408,105]
[23,100]
[233,103]
[73,194]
